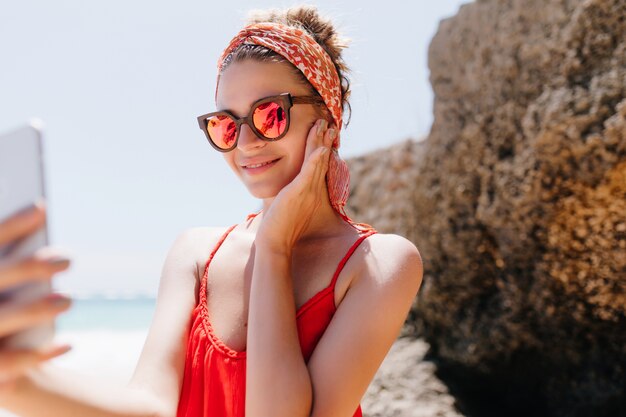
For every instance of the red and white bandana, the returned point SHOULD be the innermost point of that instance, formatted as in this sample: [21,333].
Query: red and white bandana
[299,48]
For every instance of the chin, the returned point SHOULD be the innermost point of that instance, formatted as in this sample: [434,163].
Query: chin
[269,188]
[264,192]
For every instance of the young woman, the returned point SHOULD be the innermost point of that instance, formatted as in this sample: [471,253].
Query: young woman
[290,312]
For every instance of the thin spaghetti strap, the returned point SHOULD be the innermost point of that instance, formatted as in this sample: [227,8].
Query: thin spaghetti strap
[253,215]
[349,253]
[203,282]
[360,227]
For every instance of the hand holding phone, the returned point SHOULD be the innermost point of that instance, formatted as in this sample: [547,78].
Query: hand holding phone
[41,266]
[27,309]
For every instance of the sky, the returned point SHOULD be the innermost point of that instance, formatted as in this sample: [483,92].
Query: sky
[119,84]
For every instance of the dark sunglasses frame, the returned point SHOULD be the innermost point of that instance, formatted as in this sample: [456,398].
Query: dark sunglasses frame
[285,100]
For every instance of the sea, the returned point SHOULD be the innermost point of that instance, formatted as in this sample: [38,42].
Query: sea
[107,334]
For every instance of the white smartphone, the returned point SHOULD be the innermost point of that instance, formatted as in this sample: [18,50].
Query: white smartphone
[21,184]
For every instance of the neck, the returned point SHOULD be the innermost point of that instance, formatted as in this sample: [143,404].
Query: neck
[325,222]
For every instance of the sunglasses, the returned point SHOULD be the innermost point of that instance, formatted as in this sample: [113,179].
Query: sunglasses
[268,119]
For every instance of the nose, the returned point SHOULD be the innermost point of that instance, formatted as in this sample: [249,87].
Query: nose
[248,140]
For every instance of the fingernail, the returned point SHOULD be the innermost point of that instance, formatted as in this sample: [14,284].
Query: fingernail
[63,349]
[322,126]
[30,209]
[332,133]
[59,300]
[324,150]
[59,350]
[58,260]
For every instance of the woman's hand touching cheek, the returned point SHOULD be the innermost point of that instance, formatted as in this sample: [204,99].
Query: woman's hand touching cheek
[290,213]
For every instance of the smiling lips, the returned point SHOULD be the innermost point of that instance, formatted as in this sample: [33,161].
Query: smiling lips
[253,167]
[256,163]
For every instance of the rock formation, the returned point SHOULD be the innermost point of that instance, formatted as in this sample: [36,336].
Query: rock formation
[517,202]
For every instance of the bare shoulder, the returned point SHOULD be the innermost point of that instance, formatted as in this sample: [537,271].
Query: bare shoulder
[197,243]
[200,236]
[389,258]
[347,357]
[159,370]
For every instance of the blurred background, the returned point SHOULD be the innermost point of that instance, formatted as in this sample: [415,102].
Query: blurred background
[118,86]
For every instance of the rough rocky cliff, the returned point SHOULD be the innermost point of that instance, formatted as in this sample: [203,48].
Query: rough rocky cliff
[517,202]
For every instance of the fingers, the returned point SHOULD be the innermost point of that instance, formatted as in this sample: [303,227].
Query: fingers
[329,137]
[317,154]
[320,163]
[36,313]
[14,363]
[315,138]
[36,268]
[22,224]
[324,136]
[322,158]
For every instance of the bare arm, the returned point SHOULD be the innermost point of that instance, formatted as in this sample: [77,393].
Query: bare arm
[155,386]
[365,325]
[348,355]
[50,390]
[273,349]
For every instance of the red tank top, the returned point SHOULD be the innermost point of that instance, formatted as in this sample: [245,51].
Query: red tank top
[214,380]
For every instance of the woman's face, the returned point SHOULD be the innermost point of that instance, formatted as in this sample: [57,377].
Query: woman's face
[240,85]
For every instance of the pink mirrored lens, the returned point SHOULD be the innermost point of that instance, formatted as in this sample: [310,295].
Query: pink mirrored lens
[222,130]
[270,119]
